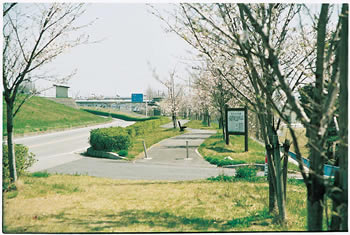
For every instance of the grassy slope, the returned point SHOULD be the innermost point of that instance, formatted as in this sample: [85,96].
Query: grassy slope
[76,204]
[128,116]
[40,114]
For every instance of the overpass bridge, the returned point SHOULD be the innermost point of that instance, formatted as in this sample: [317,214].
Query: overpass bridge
[119,104]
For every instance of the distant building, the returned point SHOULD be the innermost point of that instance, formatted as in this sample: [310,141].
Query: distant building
[61,91]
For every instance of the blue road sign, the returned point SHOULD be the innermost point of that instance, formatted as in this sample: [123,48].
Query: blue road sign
[136,98]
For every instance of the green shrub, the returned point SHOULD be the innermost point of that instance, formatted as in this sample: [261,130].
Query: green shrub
[24,160]
[117,138]
[40,174]
[123,153]
[222,177]
[245,172]
[110,139]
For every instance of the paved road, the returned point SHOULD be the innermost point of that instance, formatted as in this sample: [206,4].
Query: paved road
[61,147]
[61,153]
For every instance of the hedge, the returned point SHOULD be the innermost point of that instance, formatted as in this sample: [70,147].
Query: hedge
[119,116]
[114,139]
[110,139]
[24,160]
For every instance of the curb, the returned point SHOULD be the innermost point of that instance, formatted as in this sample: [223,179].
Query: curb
[102,154]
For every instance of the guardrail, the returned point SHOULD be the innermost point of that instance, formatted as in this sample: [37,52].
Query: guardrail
[329,170]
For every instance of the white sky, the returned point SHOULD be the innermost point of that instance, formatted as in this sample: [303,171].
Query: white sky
[118,64]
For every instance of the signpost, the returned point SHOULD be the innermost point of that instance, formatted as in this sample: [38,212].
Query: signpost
[237,124]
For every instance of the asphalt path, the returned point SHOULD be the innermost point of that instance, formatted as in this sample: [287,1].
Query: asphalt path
[61,153]
[57,148]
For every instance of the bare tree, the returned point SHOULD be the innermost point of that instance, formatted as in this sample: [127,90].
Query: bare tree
[34,35]
[272,58]
[326,78]
[175,92]
[235,52]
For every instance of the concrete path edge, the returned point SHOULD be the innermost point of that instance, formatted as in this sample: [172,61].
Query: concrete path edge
[102,154]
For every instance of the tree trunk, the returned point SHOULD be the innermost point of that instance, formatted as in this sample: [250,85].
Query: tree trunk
[316,187]
[222,121]
[10,144]
[208,118]
[340,220]
[271,180]
[286,147]
[279,184]
[174,120]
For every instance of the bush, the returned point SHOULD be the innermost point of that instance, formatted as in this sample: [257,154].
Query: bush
[24,160]
[40,174]
[110,139]
[117,138]
[245,172]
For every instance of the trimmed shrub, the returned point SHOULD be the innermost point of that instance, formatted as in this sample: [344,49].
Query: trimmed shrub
[117,138]
[110,139]
[24,160]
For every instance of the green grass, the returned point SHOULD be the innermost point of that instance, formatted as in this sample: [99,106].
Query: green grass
[198,124]
[216,147]
[39,114]
[84,204]
[215,150]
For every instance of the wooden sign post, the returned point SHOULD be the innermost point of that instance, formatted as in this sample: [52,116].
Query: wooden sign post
[237,124]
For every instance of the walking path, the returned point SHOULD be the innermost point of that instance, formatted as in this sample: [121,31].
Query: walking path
[167,160]
[179,150]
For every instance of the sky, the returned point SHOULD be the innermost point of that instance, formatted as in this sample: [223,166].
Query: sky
[117,65]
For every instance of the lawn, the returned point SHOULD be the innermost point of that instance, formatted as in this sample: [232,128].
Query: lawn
[215,148]
[198,124]
[39,115]
[84,204]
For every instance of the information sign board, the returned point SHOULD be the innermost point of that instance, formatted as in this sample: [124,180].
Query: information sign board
[237,124]
[136,98]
